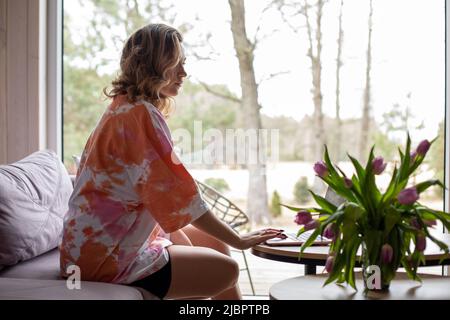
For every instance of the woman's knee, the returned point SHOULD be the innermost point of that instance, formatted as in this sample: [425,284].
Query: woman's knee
[221,247]
[226,275]
[200,272]
[230,272]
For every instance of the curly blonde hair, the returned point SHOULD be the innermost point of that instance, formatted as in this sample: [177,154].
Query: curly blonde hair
[148,57]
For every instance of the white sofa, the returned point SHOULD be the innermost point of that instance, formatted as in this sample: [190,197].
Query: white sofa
[33,200]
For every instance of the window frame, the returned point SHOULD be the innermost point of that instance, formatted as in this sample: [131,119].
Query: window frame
[54,70]
[447,121]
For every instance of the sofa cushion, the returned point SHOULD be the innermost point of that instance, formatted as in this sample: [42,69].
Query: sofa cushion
[45,267]
[36,289]
[34,195]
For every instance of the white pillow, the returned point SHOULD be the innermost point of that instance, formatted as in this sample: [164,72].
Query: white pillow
[34,196]
[77,160]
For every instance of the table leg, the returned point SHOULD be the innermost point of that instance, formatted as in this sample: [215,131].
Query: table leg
[310,269]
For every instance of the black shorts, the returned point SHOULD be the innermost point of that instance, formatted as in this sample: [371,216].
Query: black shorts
[157,283]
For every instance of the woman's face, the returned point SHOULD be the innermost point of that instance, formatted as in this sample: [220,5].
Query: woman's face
[176,78]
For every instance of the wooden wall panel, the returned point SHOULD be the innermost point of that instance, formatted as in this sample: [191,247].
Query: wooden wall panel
[19,79]
[33,75]
[16,77]
[3,131]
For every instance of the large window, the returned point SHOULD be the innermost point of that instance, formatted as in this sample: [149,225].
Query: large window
[405,81]
[372,72]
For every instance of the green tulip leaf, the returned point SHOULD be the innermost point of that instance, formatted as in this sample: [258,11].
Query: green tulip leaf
[430,214]
[353,211]
[390,220]
[442,245]
[324,203]
[292,208]
[404,170]
[359,169]
[336,273]
[333,172]
[421,187]
[310,240]
[350,253]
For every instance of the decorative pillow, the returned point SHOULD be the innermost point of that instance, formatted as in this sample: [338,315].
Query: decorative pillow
[76,160]
[34,196]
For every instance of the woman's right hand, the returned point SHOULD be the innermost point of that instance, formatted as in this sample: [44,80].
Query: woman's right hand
[253,238]
[212,225]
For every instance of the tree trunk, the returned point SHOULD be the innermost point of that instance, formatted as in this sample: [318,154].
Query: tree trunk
[316,69]
[337,150]
[365,122]
[257,203]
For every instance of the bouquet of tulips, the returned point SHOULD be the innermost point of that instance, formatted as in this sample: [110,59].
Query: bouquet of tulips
[390,228]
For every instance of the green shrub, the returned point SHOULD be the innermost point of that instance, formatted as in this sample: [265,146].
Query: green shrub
[301,193]
[275,207]
[218,183]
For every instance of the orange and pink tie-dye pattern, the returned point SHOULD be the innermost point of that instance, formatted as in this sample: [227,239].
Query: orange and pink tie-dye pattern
[128,197]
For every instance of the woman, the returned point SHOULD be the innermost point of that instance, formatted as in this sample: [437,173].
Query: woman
[136,216]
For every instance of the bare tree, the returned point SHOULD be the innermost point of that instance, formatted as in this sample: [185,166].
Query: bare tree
[292,10]
[257,200]
[340,41]
[314,54]
[365,123]
[114,22]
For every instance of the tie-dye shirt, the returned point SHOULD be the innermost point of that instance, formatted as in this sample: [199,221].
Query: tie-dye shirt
[130,193]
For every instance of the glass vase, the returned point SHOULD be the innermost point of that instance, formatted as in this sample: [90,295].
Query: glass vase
[375,277]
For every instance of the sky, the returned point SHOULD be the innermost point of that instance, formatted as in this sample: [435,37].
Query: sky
[408,43]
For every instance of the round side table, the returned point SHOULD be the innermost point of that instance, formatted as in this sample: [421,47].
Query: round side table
[310,287]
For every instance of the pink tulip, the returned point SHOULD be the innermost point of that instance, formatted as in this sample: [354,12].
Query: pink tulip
[409,261]
[321,169]
[303,217]
[378,165]
[413,156]
[430,223]
[387,253]
[313,224]
[330,232]
[348,183]
[329,264]
[408,196]
[421,243]
[415,223]
[423,147]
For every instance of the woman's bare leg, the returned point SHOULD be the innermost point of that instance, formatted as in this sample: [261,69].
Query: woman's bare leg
[202,239]
[199,272]
[180,238]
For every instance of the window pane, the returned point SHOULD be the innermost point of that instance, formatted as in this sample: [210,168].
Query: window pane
[401,84]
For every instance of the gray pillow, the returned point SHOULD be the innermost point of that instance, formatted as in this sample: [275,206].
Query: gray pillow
[34,196]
